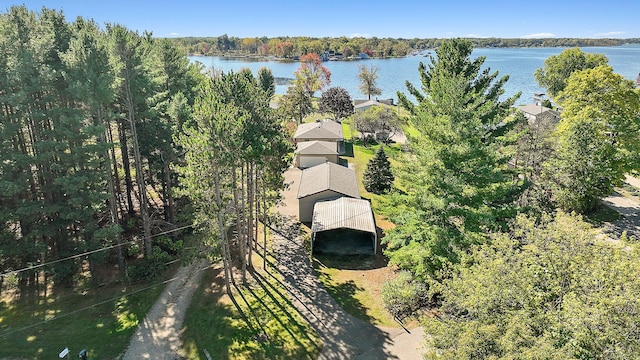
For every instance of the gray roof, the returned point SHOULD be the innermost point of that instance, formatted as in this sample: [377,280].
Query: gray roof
[316,148]
[367,104]
[325,129]
[533,109]
[328,176]
[343,213]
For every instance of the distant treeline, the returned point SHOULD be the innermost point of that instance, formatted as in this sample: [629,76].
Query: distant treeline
[289,47]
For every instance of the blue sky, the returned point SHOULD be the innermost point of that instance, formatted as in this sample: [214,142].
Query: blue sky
[332,18]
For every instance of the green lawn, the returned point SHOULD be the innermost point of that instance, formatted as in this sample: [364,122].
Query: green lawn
[355,284]
[231,327]
[101,320]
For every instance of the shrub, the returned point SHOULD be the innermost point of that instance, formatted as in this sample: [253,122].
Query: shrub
[150,267]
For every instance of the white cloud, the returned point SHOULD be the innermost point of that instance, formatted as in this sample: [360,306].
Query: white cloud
[610,33]
[538,36]
[173,34]
[356,35]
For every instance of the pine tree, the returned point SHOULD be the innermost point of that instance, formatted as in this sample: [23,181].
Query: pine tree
[457,182]
[378,177]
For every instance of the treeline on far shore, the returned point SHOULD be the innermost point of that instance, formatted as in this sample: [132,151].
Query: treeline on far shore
[289,47]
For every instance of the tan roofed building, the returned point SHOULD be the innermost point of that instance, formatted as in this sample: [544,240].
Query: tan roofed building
[312,153]
[325,130]
[324,182]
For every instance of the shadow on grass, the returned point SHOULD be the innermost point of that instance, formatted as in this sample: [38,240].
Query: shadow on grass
[216,326]
[101,320]
[602,214]
[345,295]
[350,262]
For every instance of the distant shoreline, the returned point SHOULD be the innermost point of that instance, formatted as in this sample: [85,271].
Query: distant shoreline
[287,48]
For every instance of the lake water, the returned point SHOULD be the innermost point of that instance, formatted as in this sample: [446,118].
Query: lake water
[519,63]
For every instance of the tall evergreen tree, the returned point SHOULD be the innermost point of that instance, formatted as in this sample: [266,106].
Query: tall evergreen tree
[133,83]
[458,185]
[378,177]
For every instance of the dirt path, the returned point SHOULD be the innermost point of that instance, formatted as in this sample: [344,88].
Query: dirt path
[158,335]
[630,210]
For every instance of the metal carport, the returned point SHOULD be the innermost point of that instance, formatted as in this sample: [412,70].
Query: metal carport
[347,223]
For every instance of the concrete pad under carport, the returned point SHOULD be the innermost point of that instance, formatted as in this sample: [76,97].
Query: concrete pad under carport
[343,242]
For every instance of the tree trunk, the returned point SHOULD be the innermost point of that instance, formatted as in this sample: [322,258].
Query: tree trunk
[113,200]
[169,214]
[239,223]
[126,166]
[250,192]
[226,253]
[264,226]
[142,196]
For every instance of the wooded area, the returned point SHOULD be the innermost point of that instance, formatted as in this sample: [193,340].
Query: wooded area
[99,133]
[288,47]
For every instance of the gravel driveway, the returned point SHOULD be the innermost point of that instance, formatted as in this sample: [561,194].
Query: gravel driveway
[344,336]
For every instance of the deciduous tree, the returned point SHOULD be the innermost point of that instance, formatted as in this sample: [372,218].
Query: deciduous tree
[312,76]
[336,101]
[598,138]
[368,77]
[296,103]
[379,121]
[557,69]
[551,290]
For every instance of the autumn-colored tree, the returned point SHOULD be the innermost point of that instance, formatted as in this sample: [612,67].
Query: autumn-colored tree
[312,76]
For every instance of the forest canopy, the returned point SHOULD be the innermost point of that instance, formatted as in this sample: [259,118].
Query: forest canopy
[289,47]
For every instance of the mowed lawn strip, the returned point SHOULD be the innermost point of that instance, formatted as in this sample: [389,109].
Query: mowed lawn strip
[101,320]
[259,322]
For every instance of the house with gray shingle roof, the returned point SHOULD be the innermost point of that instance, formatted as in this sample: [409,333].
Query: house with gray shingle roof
[312,153]
[325,130]
[535,112]
[324,182]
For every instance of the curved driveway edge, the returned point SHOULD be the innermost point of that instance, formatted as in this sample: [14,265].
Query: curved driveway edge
[158,335]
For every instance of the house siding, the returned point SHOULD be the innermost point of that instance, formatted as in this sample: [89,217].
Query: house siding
[305,204]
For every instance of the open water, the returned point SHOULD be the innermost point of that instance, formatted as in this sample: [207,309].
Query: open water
[519,63]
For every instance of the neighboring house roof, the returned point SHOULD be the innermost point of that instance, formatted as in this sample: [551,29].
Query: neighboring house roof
[316,148]
[366,104]
[533,109]
[328,176]
[325,129]
[357,102]
[343,213]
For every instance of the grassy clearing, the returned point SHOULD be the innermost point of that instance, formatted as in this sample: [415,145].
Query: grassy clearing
[257,322]
[355,283]
[101,320]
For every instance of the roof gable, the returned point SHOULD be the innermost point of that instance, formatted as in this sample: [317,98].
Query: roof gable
[328,176]
[316,148]
[325,129]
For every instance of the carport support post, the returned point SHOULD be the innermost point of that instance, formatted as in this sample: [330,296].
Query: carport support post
[313,237]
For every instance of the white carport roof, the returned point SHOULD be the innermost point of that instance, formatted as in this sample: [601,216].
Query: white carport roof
[343,213]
